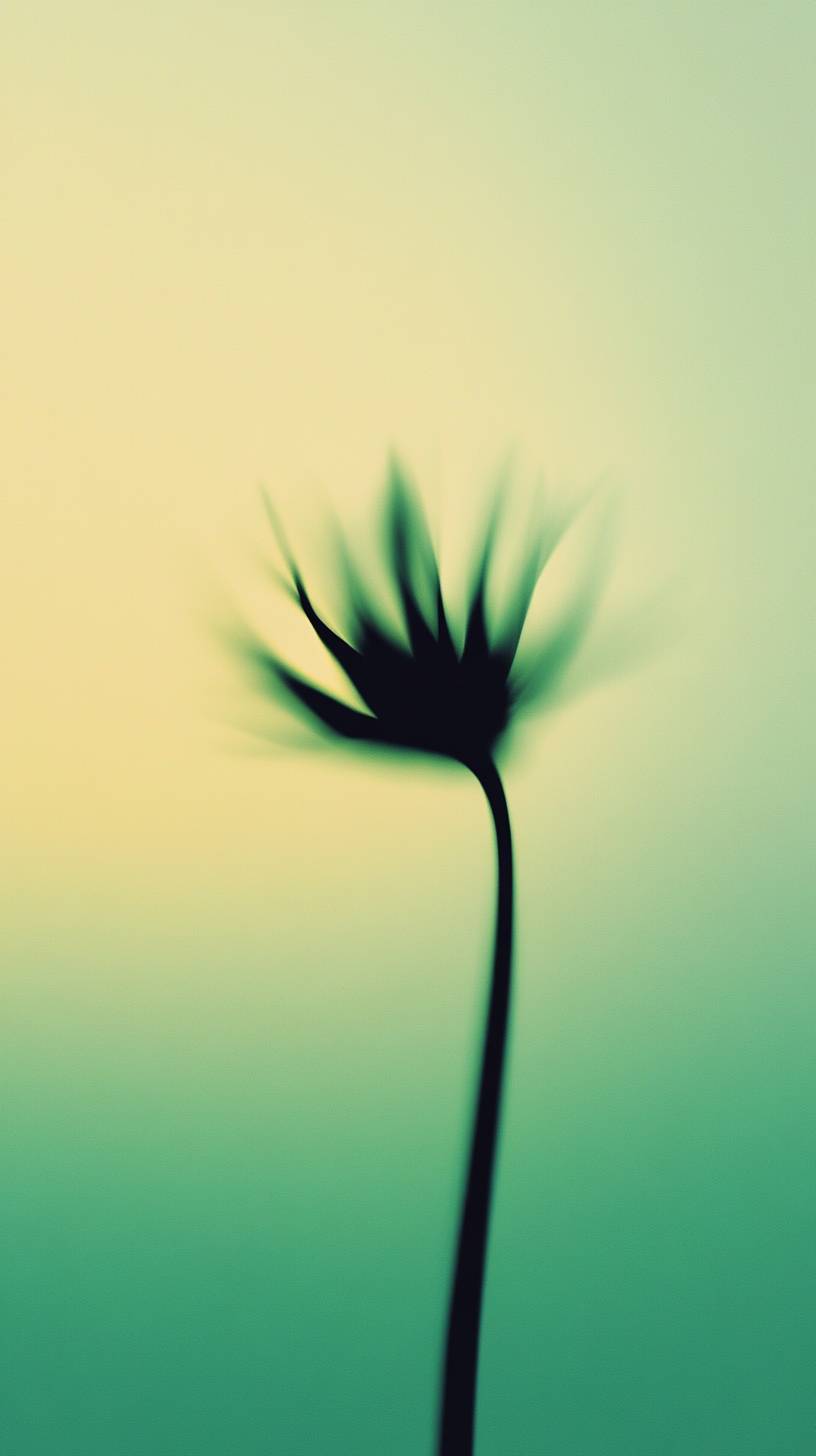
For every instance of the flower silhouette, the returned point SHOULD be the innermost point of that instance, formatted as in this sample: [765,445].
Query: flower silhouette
[422,692]
[426,689]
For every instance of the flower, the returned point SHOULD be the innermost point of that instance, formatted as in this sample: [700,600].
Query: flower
[424,691]
[421,690]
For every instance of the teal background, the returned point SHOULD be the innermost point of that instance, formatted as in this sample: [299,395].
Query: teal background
[242,990]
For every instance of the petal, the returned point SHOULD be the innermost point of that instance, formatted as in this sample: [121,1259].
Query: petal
[544,663]
[336,716]
[345,655]
[530,572]
[476,638]
[412,560]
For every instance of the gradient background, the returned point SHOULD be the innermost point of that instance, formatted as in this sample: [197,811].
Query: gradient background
[257,242]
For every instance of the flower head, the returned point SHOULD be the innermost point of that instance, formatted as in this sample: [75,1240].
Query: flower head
[423,689]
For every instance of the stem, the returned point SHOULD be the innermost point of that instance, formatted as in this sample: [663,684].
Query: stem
[458,1403]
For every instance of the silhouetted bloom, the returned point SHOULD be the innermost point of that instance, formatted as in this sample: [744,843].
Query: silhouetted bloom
[425,691]
[422,690]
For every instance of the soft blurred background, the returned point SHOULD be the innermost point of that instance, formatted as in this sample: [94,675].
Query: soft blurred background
[241,990]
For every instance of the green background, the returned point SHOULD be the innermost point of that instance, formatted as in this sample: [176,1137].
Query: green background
[242,990]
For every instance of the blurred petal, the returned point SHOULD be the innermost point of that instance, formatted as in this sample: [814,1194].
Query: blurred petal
[476,638]
[334,715]
[338,717]
[342,652]
[530,573]
[411,559]
[541,666]
[345,655]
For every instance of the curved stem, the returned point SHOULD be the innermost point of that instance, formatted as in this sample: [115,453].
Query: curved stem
[458,1402]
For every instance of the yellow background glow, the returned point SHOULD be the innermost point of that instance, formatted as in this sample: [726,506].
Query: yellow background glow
[267,243]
